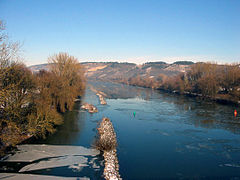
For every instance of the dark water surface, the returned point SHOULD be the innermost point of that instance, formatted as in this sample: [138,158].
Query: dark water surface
[170,137]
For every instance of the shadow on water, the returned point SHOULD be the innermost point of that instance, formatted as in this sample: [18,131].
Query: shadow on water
[205,113]
[121,91]
[67,133]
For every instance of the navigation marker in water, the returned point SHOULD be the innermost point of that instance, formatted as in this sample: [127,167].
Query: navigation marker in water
[134,113]
[235,113]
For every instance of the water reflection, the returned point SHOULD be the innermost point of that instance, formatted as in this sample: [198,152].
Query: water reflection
[201,113]
[121,91]
[70,131]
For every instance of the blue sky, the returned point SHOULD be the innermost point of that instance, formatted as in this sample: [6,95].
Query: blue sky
[125,30]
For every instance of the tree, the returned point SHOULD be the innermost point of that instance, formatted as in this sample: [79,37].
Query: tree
[16,88]
[9,51]
[16,84]
[69,80]
[207,83]
[30,103]
[230,78]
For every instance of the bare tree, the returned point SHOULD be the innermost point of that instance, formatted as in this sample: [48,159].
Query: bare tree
[69,80]
[9,51]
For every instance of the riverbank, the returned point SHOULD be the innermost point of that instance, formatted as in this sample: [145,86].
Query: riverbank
[14,139]
[219,98]
[211,81]
[5,149]
[109,156]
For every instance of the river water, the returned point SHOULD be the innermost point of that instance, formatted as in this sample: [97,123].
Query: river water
[170,136]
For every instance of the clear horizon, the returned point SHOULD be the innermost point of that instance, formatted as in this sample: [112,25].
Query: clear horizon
[125,31]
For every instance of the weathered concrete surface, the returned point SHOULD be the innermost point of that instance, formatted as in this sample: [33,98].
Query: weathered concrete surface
[75,162]
[42,157]
[30,153]
[15,176]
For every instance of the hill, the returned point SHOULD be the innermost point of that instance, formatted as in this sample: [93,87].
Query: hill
[107,71]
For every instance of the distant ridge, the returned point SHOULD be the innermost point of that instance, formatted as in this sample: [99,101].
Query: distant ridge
[36,68]
[156,62]
[108,71]
[184,62]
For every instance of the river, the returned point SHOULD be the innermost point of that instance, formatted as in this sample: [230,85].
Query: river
[170,136]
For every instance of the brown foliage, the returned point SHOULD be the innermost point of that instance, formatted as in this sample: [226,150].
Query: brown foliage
[29,103]
[174,83]
[10,133]
[230,78]
[206,83]
[16,86]
[207,79]
[142,81]
[68,80]
[203,79]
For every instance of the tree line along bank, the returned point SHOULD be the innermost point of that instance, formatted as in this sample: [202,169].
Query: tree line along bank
[207,80]
[31,104]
